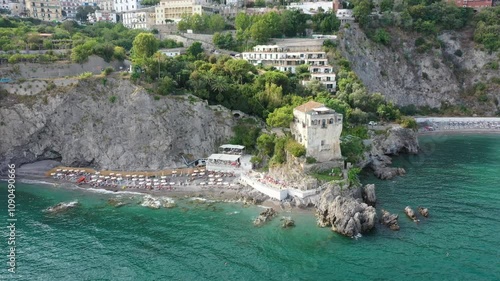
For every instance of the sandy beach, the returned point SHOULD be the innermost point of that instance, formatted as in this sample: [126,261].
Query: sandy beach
[40,172]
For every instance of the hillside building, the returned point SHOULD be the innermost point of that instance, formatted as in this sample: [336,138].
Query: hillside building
[139,19]
[318,128]
[285,60]
[126,5]
[311,8]
[173,10]
[475,4]
[46,10]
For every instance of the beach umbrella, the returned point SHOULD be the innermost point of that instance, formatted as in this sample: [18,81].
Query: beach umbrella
[120,178]
[196,171]
[172,183]
[163,177]
[128,176]
[174,172]
[219,179]
[52,174]
[141,176]
[97,173]
[202,174]
[111,174]
[210,176]
[148,183]
[134,179]
[82,171]
[106,177]
[163,181]
[64,170]
[58,170]
[118,175]
[202,183]
[226,183]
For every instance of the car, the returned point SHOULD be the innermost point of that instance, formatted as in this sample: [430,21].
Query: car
[372,123]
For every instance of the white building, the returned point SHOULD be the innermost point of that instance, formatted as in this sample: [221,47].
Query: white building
[69,8]
[139,19]
[126,5]
[103,15]
[318,128]
[173,52]
[311,7]
[284,60]
[345,16]
[106,5]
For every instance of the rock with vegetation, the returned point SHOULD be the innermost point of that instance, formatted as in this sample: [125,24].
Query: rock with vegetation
[344,211]
[61,207]
[390,220]
[265,216]
[395,141]
[438,68]
[410,213]
[78,125]
[423,211]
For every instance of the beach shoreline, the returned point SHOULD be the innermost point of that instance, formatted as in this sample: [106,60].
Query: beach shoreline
[459,131]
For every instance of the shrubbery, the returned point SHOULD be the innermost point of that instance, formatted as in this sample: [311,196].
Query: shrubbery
[295,148]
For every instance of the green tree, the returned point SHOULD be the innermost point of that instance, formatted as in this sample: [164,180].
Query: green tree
[260,31]
[195,50]
[143,47]
[280,117]
[265,144]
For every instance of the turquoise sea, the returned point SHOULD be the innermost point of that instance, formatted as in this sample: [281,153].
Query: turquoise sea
[457,177]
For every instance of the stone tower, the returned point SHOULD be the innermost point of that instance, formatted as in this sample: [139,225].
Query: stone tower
[318,128]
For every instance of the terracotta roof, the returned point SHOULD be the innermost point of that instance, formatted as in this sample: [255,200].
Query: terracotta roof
[308,106]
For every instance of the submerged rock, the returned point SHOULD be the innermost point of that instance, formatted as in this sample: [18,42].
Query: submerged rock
[345,213]
[116,203]
[264,217]
[60,207]
[410,213]
[287,222]
[390,220]
[387,173]
[423,211]
[157,202]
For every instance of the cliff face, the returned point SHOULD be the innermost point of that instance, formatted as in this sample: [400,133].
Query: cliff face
[438,76]
[109,125]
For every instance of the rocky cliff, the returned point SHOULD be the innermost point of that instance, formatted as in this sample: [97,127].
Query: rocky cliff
[445,74]
[107,123]
[395,141]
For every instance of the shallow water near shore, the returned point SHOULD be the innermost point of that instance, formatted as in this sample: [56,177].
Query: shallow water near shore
[456,177]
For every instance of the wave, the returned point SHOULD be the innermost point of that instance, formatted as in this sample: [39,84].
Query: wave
[105,191]
[33,181]
[62,206]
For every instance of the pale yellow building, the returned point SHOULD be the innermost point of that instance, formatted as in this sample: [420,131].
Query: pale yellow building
[174,10]
[49,10]
[318,128]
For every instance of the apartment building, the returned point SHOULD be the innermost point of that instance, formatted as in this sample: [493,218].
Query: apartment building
[47,10]
[283,59]
[311,8]
[106,5]
[475,4]
[126,5]
[139,19]
[69,8]
[173,10]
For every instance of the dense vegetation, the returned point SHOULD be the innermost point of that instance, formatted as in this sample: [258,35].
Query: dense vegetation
[258,29]
[202,23]
[427,17]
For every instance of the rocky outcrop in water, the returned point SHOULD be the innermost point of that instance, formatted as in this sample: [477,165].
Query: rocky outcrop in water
[107,124]
[423,211]
[410,213]
[287,222]
[397,140]
[343,210]
[265,216]
[390,220]
[61,207]
[369,196]
[157,202]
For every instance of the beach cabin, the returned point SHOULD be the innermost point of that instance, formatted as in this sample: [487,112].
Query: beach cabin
[232,149]
[224,163]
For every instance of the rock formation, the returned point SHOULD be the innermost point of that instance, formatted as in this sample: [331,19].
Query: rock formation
[407,76]
[157,202]
[60,207]
[423,211]
[398,140]
[108,125]
[343,210]
[410,213]
[287,222]
[369,196]
[390,220]
[264,217]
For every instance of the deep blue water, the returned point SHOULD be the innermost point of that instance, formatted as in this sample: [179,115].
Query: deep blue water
[456,177]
